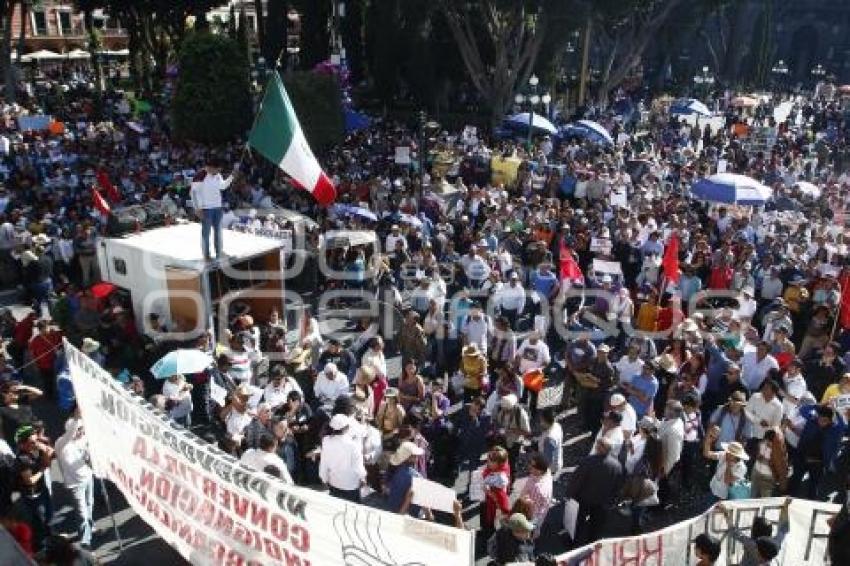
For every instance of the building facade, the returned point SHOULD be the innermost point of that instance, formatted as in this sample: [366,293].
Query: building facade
[57,26]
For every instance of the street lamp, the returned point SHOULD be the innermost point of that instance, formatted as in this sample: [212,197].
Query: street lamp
[818,72]
[704,79]
[532,99]
[780,68]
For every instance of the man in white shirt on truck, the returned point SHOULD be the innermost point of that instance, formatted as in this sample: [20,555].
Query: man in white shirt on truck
[206,199]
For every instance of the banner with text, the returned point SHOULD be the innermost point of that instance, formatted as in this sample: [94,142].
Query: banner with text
[804,544]
[215,511]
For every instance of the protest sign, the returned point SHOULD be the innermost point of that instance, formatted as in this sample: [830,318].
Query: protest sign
[805,543]
[476,485]
[214,510]
[600,245]
[434,496]
[284,236]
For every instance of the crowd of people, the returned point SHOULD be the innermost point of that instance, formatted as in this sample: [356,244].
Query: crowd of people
[710,363]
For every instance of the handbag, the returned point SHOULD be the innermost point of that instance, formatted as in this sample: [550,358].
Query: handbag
[533,380]
[739,490]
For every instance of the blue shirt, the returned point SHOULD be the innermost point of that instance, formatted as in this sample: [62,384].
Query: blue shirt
[648,387]
[400,483]
[544,283]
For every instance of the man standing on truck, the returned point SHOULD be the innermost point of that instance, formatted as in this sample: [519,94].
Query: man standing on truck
[207,187]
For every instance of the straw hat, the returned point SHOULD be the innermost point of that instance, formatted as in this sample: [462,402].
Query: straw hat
[405,452]
[90,345]
[735,449]
[666,362]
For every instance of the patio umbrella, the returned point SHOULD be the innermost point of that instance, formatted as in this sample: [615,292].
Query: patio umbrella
[594,131]
[689,107]
[744,102]
[538,122]
[730,188]
[808,189]
[349,210]
[181,361]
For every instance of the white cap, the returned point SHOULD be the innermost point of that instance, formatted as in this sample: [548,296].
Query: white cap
[339,422]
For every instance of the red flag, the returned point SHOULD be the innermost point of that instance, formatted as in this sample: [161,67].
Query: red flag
[100,203]
[670,263]
[844,313]
[570,271]
[105,184]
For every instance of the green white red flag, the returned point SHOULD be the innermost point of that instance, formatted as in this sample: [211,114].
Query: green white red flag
[277,136]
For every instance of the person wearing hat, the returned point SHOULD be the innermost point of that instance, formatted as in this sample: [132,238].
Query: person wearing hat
[91,348]
[205,193]
[594,383]
[757,365]
[732,423]
[513,541]
[473,366]
[72,454]
[390,415]
[400,488]
[341,464]
[619,404]
[512,420]
[236,416]
[512,299]
[31,468]
[731,468]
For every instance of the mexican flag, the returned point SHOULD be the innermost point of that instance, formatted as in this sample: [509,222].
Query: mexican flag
[278,136]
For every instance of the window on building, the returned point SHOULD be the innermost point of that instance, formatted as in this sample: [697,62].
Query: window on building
[39,22]
[65,23]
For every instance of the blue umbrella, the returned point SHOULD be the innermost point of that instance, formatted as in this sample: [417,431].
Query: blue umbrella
[181,362]
[730,188]
[349,210]
[538,122]
[356,121]
[690,106]
[589,130]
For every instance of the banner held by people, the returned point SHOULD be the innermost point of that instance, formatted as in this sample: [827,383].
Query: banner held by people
[214,510]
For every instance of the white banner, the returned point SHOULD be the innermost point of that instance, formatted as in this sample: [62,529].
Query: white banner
[805,543]
[215,511]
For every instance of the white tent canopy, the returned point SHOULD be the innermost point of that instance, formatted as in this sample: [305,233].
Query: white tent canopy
[78,54]
[41,55]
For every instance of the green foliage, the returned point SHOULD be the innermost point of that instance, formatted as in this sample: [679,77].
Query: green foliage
[212,102]
[318,103]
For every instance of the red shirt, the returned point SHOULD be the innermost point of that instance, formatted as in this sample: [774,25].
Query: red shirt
[720,278]
[43,349]
[23,330]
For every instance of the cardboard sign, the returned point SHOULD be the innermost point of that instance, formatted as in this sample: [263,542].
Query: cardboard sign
[402,155]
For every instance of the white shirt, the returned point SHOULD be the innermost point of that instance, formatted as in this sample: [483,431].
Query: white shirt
[629,422]
[341,463]
[207,193]
[236,422]
[330,387]
[512,297]
[556,434]
[615,439]
[74,462]
[628,369]
[392,239]
[260,459]
[276,396]
[753,371]
[718,486]
[758,409]
[533,356]
[636,453]
[671,432]
[477,331]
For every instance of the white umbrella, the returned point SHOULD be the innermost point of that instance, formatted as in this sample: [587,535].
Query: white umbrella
[538,122]
[181,361]
[808,189]
[688,106]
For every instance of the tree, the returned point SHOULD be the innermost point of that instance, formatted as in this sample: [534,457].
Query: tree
[212,100]
[499,41]
[318,103]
